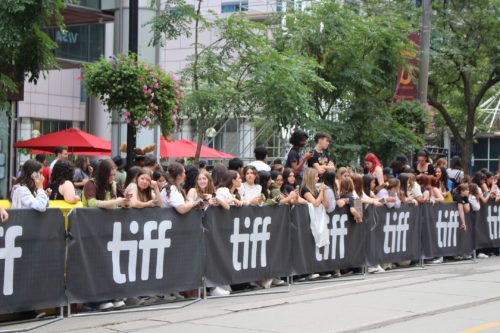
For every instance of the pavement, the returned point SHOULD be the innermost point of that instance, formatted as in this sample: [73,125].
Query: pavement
[462,297]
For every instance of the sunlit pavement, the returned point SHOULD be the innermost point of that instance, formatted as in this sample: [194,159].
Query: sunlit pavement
[445,298]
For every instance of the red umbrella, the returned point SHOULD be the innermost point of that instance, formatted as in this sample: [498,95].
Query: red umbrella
[187,148]
[86,153]
[76,140]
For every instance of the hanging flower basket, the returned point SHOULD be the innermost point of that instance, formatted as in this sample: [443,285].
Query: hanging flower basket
[144,94]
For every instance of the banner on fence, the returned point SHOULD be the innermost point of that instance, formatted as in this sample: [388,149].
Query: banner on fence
[247,244]
[130,252]
[346,248]
[393,234]
[441,234]
[487,227]
[32,250]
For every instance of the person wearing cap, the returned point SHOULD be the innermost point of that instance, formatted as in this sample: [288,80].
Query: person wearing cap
[121,174]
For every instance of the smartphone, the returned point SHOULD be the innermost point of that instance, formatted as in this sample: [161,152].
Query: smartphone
[382,200]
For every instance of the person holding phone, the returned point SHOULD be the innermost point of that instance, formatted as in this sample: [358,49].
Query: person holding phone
[101,190]
[28,191]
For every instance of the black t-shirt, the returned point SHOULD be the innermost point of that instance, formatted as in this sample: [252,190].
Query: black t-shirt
[294,156]
[350,197]
[305,190]
[458,198]
[320,158]
[429,171]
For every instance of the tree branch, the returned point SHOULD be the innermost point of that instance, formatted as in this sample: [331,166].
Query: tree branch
[432,99]
[492,80]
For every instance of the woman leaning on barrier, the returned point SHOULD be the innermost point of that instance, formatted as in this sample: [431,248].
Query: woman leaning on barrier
[228,189]
[61,182]
[173,195]
[204,190]
[144,192]
[461,197]
[28,191]
[101,190]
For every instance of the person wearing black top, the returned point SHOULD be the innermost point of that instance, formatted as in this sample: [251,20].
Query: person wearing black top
[320,160]
[295,160]
[423,165]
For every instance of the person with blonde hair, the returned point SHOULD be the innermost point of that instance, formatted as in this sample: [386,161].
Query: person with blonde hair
[308,189]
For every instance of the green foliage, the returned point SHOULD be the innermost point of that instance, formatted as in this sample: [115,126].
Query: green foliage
[172,21]
[145,94]
[464,62]
[23,42]
[242,74]
[359,55]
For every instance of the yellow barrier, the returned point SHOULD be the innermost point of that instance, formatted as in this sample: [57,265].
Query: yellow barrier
[61,204]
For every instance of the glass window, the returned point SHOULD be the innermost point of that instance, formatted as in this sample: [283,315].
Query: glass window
[494,148]
[231,7]
[481,149]
[478,165]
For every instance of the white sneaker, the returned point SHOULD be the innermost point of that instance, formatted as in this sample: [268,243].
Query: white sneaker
[169,297]
[313,276]
[482,256]
[218,291]
[325,276]
[437,260]
[380,269]
[118,304]
[337,273]
[278,282]
[372,269]
[105,306]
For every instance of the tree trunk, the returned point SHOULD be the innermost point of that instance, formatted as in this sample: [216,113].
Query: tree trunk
[199,143]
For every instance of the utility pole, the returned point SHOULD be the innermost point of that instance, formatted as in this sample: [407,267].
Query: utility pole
[425,45]
[133,41]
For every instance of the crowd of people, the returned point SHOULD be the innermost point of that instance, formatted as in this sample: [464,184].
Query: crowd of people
[305,177]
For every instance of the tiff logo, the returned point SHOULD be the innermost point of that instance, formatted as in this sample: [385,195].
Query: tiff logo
[9,253]
[493,220]
[447,231]
[147,244]
[395,234]
[259,234]
[338,231]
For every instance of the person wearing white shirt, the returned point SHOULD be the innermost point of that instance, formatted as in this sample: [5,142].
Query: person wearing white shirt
[390,194]
[260,158]
[61,154]
[28,192]
[249,190]
[173,195]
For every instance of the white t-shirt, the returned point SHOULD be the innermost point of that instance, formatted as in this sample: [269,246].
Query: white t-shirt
[455,174]
[175,199]
[224,194]
[332,203]
[260,166]
[416,190]
[248,192]
[52,164]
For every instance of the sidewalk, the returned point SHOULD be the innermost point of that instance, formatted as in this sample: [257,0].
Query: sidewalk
[386,302]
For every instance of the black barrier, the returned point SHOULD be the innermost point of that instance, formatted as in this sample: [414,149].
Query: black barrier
[441,234]
[393,235]
[130,252]
[247,244]
[32,250]
[346,248]
[487,226]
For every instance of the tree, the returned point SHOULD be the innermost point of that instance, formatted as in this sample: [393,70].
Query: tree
[357,53]
[464,64]
[241,73]
[22,27]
